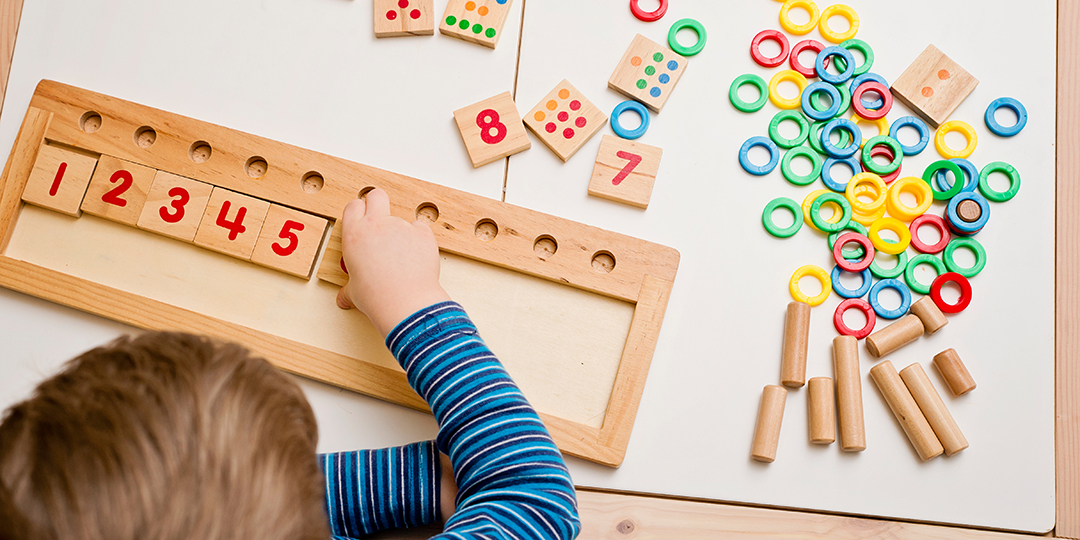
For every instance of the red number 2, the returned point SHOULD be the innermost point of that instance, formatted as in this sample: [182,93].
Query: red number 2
[235,226]
[634,161]
[487,120]
[178,205]
[113,195]
[288,234]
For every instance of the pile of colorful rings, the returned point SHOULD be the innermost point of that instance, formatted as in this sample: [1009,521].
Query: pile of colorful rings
[878,213]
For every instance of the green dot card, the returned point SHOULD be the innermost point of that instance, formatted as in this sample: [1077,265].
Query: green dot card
[648,73]
[476,21]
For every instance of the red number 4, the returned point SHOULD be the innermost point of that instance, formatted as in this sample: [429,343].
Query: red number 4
[236,226]
[634,161]
[288,234]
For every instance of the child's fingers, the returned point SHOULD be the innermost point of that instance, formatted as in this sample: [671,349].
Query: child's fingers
[343,300]
[354,211]
[378,203]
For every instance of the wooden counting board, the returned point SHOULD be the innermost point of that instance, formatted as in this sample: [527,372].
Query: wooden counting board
[395,18]
[476,21]
[565,120]
[648,72]
[212,220]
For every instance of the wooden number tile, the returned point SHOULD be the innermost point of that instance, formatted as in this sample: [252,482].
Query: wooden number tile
[332,268]
[478,21]
[933,86]
[174,206]
[492,129]
[625,171]
[565,120]
[289,241]
[59,179]
[648,72]
[118,190]
[404,18]
[231,223]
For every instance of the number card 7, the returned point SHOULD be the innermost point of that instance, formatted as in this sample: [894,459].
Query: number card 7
[625,171]
[492,129]
[289,241]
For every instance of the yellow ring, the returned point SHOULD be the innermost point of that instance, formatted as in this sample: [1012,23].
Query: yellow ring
[882,125]
[868,219]
[821,275]
[797,29]
[809,201]
[865,183]
[894,225]
[962,127]
[774,91]
[846,12]
[918,188]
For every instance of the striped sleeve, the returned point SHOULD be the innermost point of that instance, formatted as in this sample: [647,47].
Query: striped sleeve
[372,490]
[512,480]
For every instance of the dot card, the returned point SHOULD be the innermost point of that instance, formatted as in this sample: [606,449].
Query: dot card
[118,190]
[478,21]
[933,86]
[625,171]
[231,223]
[648,72]
[564,120]
[289,241]
[395,18]
[59,179]
[174,206]
[492,129]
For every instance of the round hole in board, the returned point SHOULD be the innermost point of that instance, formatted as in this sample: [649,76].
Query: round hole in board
[545,246]
[90,121]
[363,192]
[145,137]
[312,182]
[603,262]
[256,167]
[200,151]
[486,230]
[427,212]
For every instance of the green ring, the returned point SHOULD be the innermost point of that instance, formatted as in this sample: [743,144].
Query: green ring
[881,273]
[958,175]
[693,25]
[871,165]
[909,271]
[984,181]
[816,101]
[789,114]
[757,81]
[973,245]
[782,202]
[849,253]
[860,46]
[815,137]
[785,165]
[837,199]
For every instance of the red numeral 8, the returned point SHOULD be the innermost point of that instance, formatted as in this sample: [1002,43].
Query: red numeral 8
[487,120]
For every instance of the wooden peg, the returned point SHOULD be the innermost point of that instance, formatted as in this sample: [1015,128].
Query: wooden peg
[930,315]
[905,330]
[770,416]
[849,393]
[796,335]
[932,406]
[906,411]
[821,410]
[954,371]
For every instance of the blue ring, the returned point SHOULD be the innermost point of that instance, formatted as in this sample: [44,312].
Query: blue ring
[849,64]
[920,126]
[1008,103]
[633,106]
[867,280]
[960,226]
[868,76]
[759,170]
[971,176]
[815,114]
[896,285]
[851,128]
[826,172]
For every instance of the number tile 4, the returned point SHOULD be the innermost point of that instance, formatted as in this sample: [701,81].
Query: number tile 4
[231,223]
[59,179]
[174,206]
[289,241]
[625,171]
[492,129]
[564,120]
[118,190]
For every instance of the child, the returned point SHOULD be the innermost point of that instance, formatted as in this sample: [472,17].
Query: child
[176,436]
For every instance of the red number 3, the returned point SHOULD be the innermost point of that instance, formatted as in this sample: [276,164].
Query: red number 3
[288,234]
[487,120]
[182,198]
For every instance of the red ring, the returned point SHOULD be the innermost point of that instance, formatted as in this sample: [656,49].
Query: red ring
[939,224]
[882,150]
[861,264]
[877,88]
[798,48]
[755,48]
[838,318]
[965,292]
[646,16]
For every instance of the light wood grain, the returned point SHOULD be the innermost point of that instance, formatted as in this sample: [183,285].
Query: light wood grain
[10,13]
[416,18]
[496,118]
[18,168]
[475,21]
[565,120]
[933,86]
[231,223]
[636,184]
[821,410]
[954,372]
[769,420]
[933,407]
[930,315]
[796,339]
[849,393]
[289,241]
[899,333]
[118,190]
[180,200]
[906,411]
[631,79]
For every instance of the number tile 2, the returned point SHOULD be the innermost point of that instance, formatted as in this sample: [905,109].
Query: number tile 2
[476,21]
[289,241]
[174,206]
[648,72]
[59,179]
[564,120]
[395,18]
[231,223]
[492,129]
[118,190]
[625,171]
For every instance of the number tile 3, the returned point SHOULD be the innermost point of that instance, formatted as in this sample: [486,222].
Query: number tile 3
[118,190]
[174,206]
[492,129]
[625,171]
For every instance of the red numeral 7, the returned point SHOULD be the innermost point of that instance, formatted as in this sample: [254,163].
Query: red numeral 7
[634,160]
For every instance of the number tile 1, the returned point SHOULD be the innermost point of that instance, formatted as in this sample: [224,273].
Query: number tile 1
[395,18]
[564,120]
[174,206]
[118,190]
[59,179]
[476,21]
[492,129]
[625,171]
[231,223]
[289,241]
[648,72]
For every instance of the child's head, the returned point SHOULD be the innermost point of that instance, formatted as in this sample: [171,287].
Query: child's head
[162,436]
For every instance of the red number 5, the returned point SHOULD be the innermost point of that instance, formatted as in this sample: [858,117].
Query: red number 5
[288,234]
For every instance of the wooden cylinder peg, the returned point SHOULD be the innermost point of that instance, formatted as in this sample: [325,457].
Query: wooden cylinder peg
[931,316]
[821,410]
[770,415]
[796,337]
[849,393]
[906,411]
[905,330]
[954,371]
[933,408]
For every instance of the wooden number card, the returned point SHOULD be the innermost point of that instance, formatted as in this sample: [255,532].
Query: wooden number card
[648,72]
[476,21]
[189,226]
[625,171]
[492,129]
[404,18]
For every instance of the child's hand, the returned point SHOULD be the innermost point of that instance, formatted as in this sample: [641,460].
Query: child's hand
[393,265]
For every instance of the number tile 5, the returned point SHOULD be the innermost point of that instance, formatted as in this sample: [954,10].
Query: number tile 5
[231,223]
[174,206]
[625,171]
[118,190]
[492,129]
[289,241]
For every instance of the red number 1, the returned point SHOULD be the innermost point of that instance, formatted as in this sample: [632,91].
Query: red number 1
[235,226]
[288,234]
[56,181]
[634,161]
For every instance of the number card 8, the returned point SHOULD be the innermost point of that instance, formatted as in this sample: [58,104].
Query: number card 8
[492,129]
[289,241]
